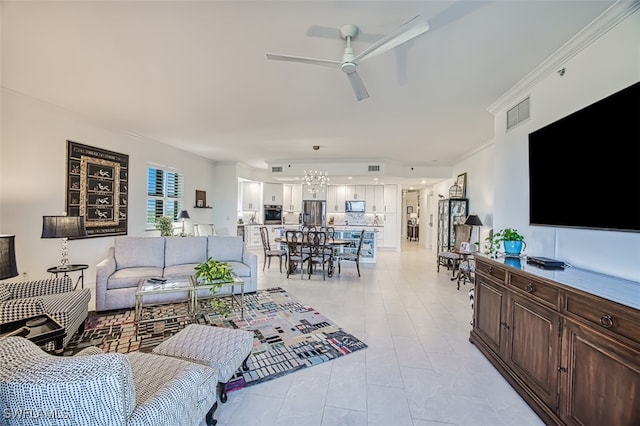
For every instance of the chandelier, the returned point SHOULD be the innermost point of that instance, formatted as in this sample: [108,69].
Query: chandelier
[315,180]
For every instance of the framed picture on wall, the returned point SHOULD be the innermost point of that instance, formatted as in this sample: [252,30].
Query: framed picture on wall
[461,181]
[409,209]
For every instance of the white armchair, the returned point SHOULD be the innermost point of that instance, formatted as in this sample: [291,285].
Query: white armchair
[96,388]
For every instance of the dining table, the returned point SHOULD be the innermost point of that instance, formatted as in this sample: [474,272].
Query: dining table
[330,242]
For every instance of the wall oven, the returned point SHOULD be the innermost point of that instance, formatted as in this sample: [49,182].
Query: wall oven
[272,214]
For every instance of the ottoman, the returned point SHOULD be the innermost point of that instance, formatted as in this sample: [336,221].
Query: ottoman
[224,349]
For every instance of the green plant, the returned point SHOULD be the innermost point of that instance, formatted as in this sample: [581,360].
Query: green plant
[214,273]
[494,241]
[165,225]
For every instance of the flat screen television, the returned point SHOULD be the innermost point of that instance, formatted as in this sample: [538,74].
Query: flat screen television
[356,206]
[584,169]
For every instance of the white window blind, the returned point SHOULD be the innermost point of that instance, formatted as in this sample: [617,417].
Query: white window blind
[164,194]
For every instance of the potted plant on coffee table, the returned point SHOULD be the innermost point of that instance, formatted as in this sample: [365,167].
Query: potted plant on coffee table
[213,273]
[510,239]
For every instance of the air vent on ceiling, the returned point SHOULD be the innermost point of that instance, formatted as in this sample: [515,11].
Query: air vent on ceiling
[373,168]
[276,169]
[518,114]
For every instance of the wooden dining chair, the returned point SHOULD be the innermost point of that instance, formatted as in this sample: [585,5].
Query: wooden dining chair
[316,242]
[351,256]
[268,251]
[295,254]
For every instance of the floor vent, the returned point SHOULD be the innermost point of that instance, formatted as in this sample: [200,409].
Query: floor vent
[276,169]
[373,168]
[518,114]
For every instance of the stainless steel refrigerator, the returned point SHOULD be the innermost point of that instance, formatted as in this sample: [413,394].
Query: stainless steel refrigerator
[313,213]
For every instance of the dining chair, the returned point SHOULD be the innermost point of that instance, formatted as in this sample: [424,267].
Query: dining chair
[295,254]
[451,257]
[268,251]
[204,229]
[351,256]
[319,253]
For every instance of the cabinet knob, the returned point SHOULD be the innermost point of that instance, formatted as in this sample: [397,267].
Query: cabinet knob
[530,288]
[489,269]
[606,321]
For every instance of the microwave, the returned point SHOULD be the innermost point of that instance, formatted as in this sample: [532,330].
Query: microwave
[355,206]
[272,214]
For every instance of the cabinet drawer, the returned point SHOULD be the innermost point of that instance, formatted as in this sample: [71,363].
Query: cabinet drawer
[537,290]
[604,315]
[491,270]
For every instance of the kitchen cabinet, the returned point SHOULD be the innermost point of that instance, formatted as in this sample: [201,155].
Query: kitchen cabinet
[390,198]
[292,197]
[374,199]
[251,196]
[355,192]
[318,196]
[391,232]
[272,194]
[335,199]
[573,356]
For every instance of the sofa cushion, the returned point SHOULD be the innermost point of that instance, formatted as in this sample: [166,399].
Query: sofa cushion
[240,269]
[130,277]
[181,251]
[139,251]
[180,270]
[5,293]
[225,248]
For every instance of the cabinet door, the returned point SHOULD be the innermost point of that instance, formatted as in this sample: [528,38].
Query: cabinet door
[296,197]
[390,198]
[533,347]
[599,379]
[489,313]
[272,193]
[374,199]
[251,194]
[332,199]
[390,231]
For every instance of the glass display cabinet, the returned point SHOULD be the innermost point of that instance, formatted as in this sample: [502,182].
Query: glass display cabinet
[451,212]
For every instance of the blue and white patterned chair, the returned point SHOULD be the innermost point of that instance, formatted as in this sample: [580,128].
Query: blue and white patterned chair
[96,388]
[54,296]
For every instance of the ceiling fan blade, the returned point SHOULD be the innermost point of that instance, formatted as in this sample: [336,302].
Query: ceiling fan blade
[358,86]
[406,32]
[312,61]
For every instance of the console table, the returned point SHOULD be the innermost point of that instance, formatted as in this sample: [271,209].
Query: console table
[568,341]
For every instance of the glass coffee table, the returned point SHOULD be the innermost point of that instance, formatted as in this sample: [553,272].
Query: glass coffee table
[157,286]
[235,298]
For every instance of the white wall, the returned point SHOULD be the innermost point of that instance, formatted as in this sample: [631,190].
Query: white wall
[32,181]
[609,64]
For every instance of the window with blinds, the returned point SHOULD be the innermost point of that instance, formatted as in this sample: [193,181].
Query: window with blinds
[164,194]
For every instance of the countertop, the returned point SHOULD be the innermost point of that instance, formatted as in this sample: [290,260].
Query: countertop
[619,290]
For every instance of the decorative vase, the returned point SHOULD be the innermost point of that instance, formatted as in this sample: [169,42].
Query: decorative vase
[513,248]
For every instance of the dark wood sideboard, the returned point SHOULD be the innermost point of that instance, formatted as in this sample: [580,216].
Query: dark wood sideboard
[573,356]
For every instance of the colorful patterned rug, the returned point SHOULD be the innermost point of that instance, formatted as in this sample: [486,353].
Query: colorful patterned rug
[289,335]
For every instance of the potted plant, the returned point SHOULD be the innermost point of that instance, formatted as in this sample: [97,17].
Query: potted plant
[165,225]
[214,273]
[510,239]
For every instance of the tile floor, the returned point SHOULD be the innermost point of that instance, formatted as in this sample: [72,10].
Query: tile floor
[419,368]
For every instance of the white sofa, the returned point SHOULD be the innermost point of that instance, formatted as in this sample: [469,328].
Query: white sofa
[133,258]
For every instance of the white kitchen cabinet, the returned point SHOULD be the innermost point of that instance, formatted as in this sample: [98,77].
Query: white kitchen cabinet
[390,199]
[335,199]
[355,192]
[391,236]
[251,196]
[374,200]
[272,193]
[308,195]
[292,197]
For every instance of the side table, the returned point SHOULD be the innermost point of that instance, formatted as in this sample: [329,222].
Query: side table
[70,268]
[40,329]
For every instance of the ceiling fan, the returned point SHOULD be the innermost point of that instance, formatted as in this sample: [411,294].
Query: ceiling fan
[350,62]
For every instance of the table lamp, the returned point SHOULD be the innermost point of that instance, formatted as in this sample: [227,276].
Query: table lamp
[63,227]
[183,215]
[8,268]
[474,220]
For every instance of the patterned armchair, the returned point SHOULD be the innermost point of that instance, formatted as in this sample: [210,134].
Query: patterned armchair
[96,388]
[55,297]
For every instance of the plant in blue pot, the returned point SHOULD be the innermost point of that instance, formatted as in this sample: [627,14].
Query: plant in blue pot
[512,241]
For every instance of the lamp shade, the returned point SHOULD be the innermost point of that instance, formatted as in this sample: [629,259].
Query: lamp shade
[63,227]
[184,215]
[473,220]
[8,268]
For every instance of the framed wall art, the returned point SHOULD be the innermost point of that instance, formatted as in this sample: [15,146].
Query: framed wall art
[461,181]
[97,188]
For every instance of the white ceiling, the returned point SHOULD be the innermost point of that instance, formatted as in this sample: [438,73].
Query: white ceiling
[194,74]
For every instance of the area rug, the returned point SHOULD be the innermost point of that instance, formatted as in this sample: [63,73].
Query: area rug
[289,335]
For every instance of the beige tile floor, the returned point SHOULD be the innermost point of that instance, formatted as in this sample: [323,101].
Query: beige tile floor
[419,368]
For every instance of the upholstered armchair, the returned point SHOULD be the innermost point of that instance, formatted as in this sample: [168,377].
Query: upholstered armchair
[55,297]
[96,388]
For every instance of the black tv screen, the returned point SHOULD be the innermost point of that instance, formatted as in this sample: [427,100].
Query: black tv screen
[584,169]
